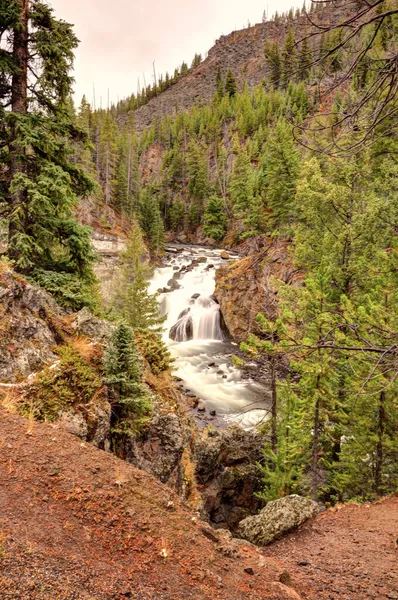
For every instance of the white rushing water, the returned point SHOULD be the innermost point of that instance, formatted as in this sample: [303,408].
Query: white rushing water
[202,355]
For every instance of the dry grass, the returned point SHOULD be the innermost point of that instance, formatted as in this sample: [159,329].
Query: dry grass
[122,473]
[10,400]
[5,266]
[84,347]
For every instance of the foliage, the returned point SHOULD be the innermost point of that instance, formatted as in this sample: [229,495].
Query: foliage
[68,289]
[130,399]
[40,185]
[214,219]
[74,382]
[153,350]
[131,299]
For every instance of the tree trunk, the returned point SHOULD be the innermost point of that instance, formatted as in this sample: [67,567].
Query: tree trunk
[315,446]
[19,105]
[274,409]
[379,447]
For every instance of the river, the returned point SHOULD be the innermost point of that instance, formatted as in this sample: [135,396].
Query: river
[201,350]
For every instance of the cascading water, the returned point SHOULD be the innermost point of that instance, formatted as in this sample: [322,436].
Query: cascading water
[201,321]
[193,333]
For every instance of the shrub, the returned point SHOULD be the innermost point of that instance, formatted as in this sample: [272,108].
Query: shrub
[73,382]
[153,350]
[68,289]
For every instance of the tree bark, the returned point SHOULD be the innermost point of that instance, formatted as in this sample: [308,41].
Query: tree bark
[274,409]
[379,447]
[315,446]
[19,106]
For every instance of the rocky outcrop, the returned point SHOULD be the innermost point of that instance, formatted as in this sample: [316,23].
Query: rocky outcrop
[30,322]
[276,519]
[226,470]
[159,450]
[108,248]
[242,51]
[246,287]
[85,323]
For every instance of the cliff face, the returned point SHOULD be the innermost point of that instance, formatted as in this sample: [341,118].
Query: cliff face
[245,288]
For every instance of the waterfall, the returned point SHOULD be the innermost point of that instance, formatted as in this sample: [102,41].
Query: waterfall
[201,321]
[192,332]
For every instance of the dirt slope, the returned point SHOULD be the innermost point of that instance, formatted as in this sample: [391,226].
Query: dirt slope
[77,523]
[345,554]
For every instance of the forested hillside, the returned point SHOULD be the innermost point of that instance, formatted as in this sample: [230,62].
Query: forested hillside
[287,133]
[307,156]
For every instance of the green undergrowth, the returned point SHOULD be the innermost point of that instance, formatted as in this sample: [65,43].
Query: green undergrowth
[153,350]
[74,381]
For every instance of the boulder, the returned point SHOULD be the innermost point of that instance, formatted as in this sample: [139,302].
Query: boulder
[173,285]
[276,519]
[175,331]
[85,323]
[31,326]
[224,255]
[159,450]
[226,470]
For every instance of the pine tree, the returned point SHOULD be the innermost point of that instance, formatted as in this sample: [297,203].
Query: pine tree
[289,61]
[274,62]
[283,164]
[214,219]
[132,301]
[184,69]
[196,61]
[108,157]
[151,221]
[129,398]
[219,83]
[40,183]
[230,84]
[304,60]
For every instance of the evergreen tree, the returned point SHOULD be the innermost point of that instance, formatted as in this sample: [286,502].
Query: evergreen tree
[230,84]
[184,70]
[196,61]
[214,219]
[274,62]
[219,83]
[108,157]
[151,221]
[39,183]
[304,60]
[289,66]
[129,398]
[283,164]
[132,301]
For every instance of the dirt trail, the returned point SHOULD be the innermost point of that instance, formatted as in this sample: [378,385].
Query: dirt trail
[349,553]
[76,523]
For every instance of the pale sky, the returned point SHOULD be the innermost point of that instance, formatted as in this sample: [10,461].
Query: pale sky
[120,39]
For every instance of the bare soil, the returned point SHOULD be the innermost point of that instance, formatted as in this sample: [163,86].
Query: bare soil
[77,523]
[347,553]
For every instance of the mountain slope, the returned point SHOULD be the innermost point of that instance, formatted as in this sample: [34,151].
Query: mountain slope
[241,51]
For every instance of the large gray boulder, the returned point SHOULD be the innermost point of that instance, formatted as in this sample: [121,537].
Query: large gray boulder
[276,519]
[85,323]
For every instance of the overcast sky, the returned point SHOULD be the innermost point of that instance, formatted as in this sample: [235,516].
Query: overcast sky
[119,39]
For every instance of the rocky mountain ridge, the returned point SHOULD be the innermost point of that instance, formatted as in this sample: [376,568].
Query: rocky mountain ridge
[241,51]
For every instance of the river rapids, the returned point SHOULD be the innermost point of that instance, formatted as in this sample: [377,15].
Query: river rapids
[201,350]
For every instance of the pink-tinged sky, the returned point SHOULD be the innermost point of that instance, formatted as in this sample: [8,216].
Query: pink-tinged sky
[121,38]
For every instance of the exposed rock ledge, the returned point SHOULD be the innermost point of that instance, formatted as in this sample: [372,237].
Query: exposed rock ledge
[245,287]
